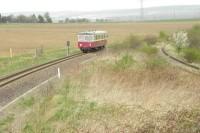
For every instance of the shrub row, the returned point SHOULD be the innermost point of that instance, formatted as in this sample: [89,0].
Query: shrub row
[191,54]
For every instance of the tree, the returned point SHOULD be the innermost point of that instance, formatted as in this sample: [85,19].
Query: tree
[47,17]
[22,19]
[67,20]
[180,40]
[40,19]
[33,18]
[4,19]
[11,19]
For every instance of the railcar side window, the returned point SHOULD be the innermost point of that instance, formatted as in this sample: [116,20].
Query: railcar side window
[86,38]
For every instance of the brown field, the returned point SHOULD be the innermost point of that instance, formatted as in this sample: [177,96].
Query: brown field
[22,37]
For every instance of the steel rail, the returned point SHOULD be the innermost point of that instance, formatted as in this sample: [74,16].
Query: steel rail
[180,61]
[18,75]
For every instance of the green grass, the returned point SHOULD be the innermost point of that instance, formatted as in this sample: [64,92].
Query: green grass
[67,111]
[191,54]
[193,36]
[27,102]
[4,123]
[149,50]
[125,62]
[11,65]
[155,63]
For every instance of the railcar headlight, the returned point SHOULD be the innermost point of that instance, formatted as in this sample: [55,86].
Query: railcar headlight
[80,44]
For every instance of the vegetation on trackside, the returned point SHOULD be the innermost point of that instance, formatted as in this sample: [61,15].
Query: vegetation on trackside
[192,54]
[115,93]
[10,65]
[187,44]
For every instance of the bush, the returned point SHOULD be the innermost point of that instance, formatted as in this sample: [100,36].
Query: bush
[150,39]
[180,40]
[133,41]
[130,42]
[192,55]
[118,46]
[149,50]
[125,62]
[163,36]
[194,36]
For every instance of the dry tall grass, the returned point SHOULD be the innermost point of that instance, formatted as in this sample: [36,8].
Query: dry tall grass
[119,93]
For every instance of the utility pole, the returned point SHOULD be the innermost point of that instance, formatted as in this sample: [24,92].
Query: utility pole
[141,10]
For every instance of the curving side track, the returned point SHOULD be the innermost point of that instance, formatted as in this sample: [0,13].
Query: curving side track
[16,76]
[180,61]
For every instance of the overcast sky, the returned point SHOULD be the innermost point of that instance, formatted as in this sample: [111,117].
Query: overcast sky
[84,5]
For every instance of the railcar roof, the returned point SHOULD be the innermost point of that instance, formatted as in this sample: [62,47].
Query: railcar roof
[91,32]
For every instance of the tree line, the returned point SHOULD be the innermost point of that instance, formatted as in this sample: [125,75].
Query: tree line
[82,20]
[26,19]
[77,20]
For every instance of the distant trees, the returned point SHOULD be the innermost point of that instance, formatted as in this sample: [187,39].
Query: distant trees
[102,20]
[47,17]
[34,18]
[78,20]
[26,19]
[40,19]
[83,20]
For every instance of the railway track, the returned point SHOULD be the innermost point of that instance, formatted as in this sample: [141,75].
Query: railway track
[18,75]
[196,68]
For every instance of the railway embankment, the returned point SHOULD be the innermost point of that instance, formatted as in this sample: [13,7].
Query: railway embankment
[132,89]
[15,89]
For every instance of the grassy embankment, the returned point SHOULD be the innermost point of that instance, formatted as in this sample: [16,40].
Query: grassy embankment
[10,65]
[130,89]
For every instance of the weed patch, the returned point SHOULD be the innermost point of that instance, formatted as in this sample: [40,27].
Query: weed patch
[131,42]
[4,123]
[191,55]
[27,102]
[125,62]
[151,39]
[149,50]
[154,63]
[193,36]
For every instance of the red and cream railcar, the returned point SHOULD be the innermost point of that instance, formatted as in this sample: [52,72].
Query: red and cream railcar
[92,40]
